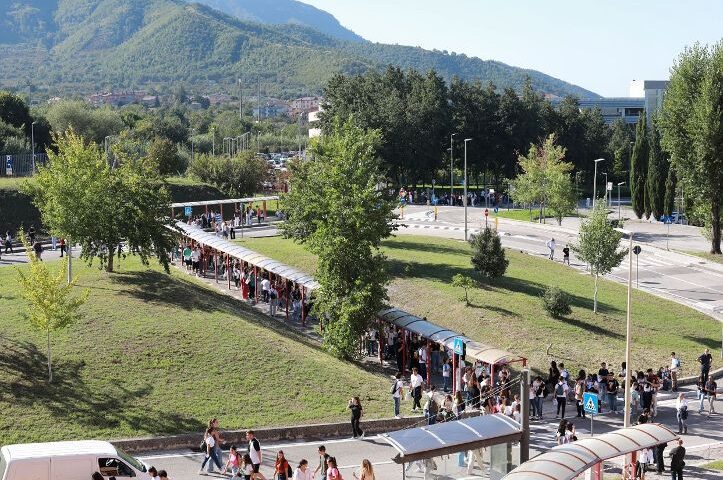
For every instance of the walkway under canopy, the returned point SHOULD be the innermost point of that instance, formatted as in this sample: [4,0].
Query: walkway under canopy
[565,462]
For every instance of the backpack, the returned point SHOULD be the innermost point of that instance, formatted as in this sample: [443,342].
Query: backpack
[433,408]
[559,390]
[393,388]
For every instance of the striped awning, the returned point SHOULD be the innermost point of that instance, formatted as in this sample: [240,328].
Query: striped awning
[226,201]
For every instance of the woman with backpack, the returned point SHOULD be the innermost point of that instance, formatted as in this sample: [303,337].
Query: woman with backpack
[681,409]
[332,472]
[282,469]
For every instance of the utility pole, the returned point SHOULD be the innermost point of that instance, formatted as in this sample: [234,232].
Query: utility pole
[465,187]
[451,168]
[240,100]
[32,142]
[258,100]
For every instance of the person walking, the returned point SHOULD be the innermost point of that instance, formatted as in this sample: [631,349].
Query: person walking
[233,462]
[579,394]
[551,247]
[282,469]
[711,388]
[674,369]
[396,392]
[700,385]
[356,414]
[681,409]
[323,465]
[705,360]
[303,472]
[366,471]
[566,255]
[62,247]
[677,461]
[415,383]
[31,234]
[211,457]
[332,471]
[254,451]
[659,458]
[38,249]
[8,243]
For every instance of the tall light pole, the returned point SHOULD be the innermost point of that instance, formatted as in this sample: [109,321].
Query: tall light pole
[465,187]
[628,329]
[213,141]
[240,100]
[621,183]
[607,203]
[594,182]
[451,168]
[32,142]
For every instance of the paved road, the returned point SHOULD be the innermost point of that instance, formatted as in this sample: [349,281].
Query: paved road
[704,442]
[681,278]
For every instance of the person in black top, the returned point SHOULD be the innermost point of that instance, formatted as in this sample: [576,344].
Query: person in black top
[603,374]
[677,456]
[553,375]
[566,255]
[323,457]
[705,361]
[356,414]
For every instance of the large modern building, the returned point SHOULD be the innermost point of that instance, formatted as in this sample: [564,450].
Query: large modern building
[645,96]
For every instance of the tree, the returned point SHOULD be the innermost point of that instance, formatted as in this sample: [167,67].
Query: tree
[639,167]
[657,174]
[337,210]
[670,186]
[91,123]
[546,179]
[51,306]
[488,256]
[165,154]
[692,129]
[464,282]
[598,246]
[240,176]
[14,111]
[622,136]
[80,197]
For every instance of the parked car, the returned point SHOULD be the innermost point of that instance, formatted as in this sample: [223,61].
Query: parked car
[74,460]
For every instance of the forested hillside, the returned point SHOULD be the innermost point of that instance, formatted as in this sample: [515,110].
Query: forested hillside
[80,46]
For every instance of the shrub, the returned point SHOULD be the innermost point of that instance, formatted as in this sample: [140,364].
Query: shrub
[556,302]
[489,256]
[464,282]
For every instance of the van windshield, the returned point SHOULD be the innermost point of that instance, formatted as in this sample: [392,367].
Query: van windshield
[131,460]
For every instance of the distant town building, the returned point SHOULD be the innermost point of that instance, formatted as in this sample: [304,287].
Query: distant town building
[645,96]
[150,100]
[117,99]
[271,108]
[219,99]
[314,129]
[304,105]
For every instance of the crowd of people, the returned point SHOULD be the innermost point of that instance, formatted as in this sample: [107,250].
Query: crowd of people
[484,197]
[246,462]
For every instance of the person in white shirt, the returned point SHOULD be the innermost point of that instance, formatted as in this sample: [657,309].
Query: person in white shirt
[551,247]
[681,409]
[446,374]
[265,286]
[397,388]
[422,352]
[561,390]
[303,472]
[415,383]
[674,369]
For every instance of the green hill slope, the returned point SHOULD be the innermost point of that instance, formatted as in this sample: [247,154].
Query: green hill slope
[86,45]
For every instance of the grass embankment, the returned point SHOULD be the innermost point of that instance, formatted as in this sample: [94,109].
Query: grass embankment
[508,314]
[716,465]
[161,354]
[708,256]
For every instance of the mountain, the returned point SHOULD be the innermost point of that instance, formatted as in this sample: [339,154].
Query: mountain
[80,46]
[280,12]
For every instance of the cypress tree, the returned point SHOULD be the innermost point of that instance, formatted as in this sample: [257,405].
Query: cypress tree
[670,186]
[657,173]
[639,167]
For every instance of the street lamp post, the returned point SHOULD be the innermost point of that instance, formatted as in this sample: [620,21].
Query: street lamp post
[594,182]
[628,329]
[465,187]
[32,142]
[607,203]
[451,168]
[621,183]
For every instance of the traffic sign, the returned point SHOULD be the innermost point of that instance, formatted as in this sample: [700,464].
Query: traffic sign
[9,165]
[487,213]
[458,346]
[637,249]
[610,187]
[590,403]
[188,211]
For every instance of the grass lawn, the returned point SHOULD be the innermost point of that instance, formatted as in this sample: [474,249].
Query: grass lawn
[507,313]
[521,215]
[708,256]
[11,183]
[716,465]
[161,354]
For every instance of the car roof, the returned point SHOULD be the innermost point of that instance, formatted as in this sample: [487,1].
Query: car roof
[51,449]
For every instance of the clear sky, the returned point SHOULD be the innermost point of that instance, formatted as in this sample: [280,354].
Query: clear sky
[600,45]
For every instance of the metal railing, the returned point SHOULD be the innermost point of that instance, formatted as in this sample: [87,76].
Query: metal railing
[21,164]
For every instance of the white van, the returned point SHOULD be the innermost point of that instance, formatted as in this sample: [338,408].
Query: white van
[81,460]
